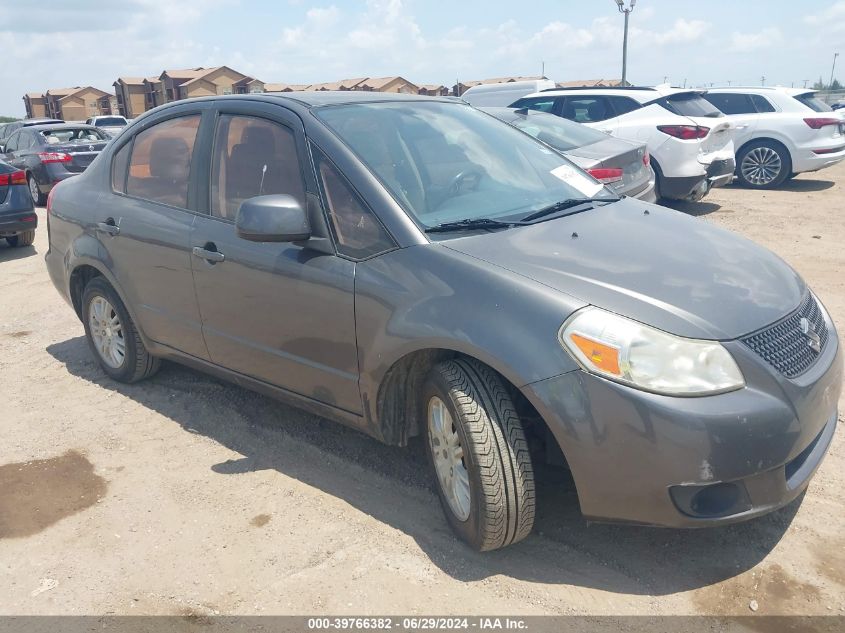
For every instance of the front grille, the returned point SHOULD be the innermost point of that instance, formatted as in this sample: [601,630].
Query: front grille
[785,346]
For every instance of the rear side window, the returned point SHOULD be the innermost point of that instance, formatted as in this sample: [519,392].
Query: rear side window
[587,109]
[357,231]
[623,105]
[810,100]
[119,165]
[731,103]
[762,104]
[543,104]
[252,157]
[160,165]
[690,104]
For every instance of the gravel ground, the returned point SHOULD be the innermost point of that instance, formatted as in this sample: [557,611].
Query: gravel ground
[186,495]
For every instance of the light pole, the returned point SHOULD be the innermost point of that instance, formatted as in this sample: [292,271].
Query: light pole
[627,11]
[832,68]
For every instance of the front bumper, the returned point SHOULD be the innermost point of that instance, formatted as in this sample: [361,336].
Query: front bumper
[641,458]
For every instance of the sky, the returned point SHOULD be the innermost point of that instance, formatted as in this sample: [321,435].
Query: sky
[62,43]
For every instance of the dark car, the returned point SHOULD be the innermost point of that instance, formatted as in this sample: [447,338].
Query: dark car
[51,153]
[616,162]
[17,214]
[8,129]
[412,266]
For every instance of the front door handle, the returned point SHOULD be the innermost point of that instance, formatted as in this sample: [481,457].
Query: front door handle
[108,227]
[208,255]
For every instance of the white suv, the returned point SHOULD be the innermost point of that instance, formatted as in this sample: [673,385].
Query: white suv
[690,141]
[780,132]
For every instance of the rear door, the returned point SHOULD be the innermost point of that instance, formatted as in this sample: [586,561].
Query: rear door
[273,311]
[145,225]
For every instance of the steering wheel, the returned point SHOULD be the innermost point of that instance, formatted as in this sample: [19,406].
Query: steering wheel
[472,178]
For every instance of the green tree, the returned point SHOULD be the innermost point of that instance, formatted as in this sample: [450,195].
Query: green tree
[8,119]
[836,85]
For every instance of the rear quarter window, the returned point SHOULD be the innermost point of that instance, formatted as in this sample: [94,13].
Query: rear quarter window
[119,167]
[762,104]
[814,103]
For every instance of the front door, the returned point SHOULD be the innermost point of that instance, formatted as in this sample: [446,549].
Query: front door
[277,312]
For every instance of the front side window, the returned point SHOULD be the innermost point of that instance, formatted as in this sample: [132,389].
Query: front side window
[731,103]
[587,109]
[252,157]
[446,162]
[160,166]
[357,231]
[542,104]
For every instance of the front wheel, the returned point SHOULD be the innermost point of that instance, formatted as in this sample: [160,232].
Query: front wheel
[21,239]
[477,448]
[763,165]
[112,335]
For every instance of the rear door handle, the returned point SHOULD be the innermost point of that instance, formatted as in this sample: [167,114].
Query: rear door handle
[108,227]
[210,256]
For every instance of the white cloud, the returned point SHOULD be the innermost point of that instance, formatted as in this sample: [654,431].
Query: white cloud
[745,42]
[683,31]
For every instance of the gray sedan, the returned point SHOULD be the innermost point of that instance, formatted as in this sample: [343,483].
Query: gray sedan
[412,266]
[616,162]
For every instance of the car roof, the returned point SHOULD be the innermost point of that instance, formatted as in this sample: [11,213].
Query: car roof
[337,97]
[639,93]
[60,126]
[31,122]
[792,92]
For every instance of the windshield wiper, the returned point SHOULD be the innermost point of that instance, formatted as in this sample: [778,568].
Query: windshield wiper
[472,223]
[563,205]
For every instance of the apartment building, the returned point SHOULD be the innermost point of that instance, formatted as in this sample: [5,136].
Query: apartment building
[131,95]
[35,104]
[434,90]
[73,104]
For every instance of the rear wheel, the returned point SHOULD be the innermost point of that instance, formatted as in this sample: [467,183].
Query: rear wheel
[763,165]
[22,239]
[38,198]
[112,335]
[477,448]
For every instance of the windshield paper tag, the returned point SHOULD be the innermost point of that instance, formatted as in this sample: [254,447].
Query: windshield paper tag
[574,178]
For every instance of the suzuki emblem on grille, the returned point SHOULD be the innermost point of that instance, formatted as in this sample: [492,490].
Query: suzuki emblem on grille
[814,341]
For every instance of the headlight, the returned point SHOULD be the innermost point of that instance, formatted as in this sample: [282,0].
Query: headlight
[647,358]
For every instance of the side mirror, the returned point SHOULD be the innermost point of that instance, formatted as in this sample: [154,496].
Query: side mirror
[276,218]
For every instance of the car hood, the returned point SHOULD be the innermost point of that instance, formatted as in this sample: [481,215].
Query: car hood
[661,267]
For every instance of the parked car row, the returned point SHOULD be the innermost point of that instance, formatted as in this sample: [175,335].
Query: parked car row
[698,139]
[410,266]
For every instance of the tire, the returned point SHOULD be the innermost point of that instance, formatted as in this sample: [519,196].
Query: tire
[135,362]
[763,165]
[38,198]
[497,507]
[22,239]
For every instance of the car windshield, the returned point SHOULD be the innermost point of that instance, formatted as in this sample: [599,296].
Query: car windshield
[556,131]
[73,135]
[111,121]
[447,162]
[691,104]
[810,100]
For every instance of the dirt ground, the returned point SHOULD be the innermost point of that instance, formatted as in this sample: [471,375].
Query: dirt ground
[185,495]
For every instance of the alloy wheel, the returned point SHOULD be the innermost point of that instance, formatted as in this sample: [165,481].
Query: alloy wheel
[34,191]
[761,166]
[448,456]
[106,332]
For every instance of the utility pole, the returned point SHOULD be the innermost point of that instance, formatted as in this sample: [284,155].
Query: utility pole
[665,78]
[729,82]
[805,82]
[830,85]
[621,6]
[542,69]
[763,80]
